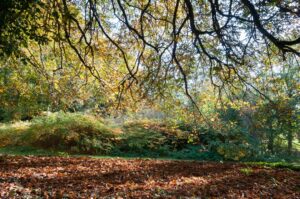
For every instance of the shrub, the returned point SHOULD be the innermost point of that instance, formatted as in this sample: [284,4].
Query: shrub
[142,136]
[234,143]
[69,132]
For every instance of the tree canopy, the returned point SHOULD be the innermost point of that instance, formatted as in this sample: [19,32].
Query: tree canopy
[158,42]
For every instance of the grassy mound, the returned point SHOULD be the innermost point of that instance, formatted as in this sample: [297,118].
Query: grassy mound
[75,133]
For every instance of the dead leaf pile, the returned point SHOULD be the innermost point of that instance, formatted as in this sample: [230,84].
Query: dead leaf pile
[60,177]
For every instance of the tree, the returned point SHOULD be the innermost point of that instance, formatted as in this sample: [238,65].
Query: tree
[21,21]
[158,41]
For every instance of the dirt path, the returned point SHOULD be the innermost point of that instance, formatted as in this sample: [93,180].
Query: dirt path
[59,177]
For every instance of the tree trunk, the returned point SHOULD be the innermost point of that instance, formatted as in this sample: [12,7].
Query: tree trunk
[290,142]
[290,138]
[271,141]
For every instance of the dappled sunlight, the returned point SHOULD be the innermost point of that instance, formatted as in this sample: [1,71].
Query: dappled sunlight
[19,125]
[203,94]
[142,178]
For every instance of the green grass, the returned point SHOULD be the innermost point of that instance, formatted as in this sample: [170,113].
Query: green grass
[31,151]
[26,150]
[247,171]
[287,165]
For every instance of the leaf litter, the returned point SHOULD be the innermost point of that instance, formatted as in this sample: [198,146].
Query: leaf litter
[82,177]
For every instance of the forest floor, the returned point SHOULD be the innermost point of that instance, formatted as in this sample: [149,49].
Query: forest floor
[82,177]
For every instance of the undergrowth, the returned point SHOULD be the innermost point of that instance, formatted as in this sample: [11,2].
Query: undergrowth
[71,132]
[77,133]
